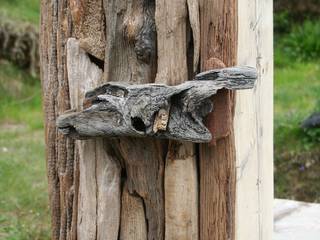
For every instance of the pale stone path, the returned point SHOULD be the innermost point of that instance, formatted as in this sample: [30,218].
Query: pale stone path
[296,220]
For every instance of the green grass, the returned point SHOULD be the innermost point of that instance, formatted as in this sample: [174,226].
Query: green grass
[297,91]
[24,210]
[297,161]
[24,198]
[21,10]
[20,97]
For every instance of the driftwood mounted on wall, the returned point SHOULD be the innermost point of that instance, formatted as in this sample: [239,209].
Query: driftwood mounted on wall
[154,110]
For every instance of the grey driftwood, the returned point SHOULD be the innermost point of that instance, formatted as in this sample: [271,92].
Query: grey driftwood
[154,110]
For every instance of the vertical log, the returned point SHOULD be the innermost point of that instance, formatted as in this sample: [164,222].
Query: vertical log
[131,57]
[181,181]
[133,222]
[217,162]
[99,184]
[55,29]
[254,120]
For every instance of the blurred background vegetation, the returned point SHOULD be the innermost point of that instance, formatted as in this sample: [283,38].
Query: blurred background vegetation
[23,200]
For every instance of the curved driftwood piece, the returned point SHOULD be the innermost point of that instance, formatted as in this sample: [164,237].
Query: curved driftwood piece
[154,110]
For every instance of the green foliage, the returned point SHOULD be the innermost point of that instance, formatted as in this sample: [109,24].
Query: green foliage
[282,22]
[24,210]
[296,95]
[20,97]
[312,137]
[301,44]
[22,10]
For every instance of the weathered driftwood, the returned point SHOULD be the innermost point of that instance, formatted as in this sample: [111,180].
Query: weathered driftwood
[155,110]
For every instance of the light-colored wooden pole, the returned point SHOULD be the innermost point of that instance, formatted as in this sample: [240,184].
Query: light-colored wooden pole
[254,122]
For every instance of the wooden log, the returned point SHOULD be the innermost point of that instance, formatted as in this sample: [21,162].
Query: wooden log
[99,185]
[181,182]
[254,122]
[131,57]
[133,222]
[59,150]
[217,162]
[117,110]
[89,26]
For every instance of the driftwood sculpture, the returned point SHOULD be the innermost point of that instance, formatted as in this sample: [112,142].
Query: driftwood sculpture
[154,110]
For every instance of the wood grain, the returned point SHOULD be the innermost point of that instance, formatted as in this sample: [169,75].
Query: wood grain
[131,57]
[99,184]
[254,122]
[133,222]
[89,25]
[217,163]
[59,150]
[181,189]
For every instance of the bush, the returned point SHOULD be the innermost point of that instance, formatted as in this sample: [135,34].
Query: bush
[282,22]
[298,9]
[302,43]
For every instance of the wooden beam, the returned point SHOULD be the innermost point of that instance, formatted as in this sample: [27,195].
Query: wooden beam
[99,182]
[254,122]
[217,162]
[131,58]
[181,189]
[133,222]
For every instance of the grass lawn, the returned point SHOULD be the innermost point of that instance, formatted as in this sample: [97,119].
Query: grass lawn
[297,95]
[22,10]
[297,155]
[24,212]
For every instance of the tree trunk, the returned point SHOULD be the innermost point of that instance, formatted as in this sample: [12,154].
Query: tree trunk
[142,188]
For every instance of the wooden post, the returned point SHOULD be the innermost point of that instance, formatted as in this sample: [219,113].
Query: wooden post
[143,188]
[254,122]
[219,24]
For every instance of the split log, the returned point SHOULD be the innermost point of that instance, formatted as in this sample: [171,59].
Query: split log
[131,57]
[119,110]
[89,26]
[175,49]
[133,222]
[217,161]
[99,183]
